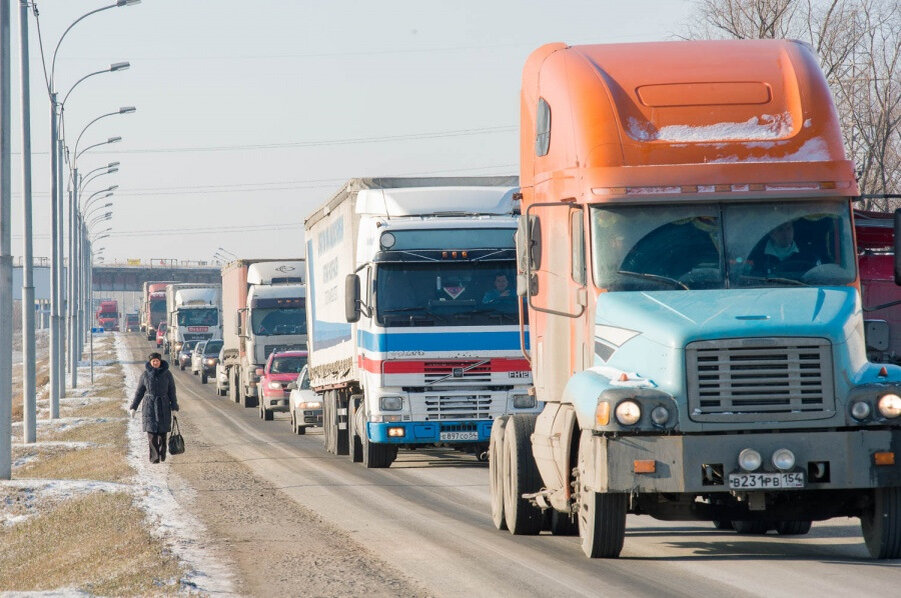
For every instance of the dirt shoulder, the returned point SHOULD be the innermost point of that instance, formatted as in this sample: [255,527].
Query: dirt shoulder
[278,547]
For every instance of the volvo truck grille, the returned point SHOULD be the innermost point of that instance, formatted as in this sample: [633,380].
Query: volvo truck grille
[759,379]
[450,372]
[473,406]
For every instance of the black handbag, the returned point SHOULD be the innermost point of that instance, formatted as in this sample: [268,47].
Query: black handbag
[176,441]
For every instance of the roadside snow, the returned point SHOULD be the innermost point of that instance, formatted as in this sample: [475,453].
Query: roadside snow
[181,531]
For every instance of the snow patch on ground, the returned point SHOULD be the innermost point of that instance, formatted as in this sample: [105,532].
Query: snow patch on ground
[60,593]
[181,531]
[26,498]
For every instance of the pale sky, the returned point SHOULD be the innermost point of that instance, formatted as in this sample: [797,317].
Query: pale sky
[251,114]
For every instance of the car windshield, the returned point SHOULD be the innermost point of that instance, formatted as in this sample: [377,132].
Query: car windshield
[212,348]
[187,347]
[715,246]
[446,294]
[288,364]
[205,316]
[274,321]
[305,379]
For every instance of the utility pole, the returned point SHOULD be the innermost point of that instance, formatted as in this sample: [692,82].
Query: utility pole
[54,268]
[6,264]
[29,397]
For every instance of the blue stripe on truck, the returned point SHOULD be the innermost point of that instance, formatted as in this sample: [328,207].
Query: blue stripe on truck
[439,341]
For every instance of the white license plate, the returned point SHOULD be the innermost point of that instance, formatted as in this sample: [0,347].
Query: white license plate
[459,436]
[765,481]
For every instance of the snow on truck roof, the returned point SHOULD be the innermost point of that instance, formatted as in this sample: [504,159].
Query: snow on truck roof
[663,114]
[276,272]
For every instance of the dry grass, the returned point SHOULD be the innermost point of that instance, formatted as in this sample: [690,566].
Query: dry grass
[100,538]
[97,463]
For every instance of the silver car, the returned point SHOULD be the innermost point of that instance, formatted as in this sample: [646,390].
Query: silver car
[221,375]
[197,357]
[305,405]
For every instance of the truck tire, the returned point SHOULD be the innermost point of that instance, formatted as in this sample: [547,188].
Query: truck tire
[601,515]
[377,456]
[203,378]
[354,446]
[792,528]
[520,477]
[496,472]
[881,524]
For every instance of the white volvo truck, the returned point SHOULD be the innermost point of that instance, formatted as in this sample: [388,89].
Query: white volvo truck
[413,318]
[192,314]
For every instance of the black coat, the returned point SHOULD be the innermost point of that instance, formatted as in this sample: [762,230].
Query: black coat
[157,390]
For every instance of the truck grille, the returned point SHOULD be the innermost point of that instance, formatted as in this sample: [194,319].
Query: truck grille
[439,407]
[449,372]
[198,336]
[758,379]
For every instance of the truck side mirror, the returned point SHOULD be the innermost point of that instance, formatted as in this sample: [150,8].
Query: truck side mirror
[897,246]
[238,322]
[352,298]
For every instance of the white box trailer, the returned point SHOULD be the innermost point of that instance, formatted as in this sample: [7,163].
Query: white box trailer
[263,307]
[413,316]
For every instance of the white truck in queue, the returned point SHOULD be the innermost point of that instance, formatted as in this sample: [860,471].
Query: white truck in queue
[192,314]
[413,320]
[263,306]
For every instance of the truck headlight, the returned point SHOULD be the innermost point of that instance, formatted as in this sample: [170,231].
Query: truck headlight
[178,346]
[860,410]
[275,385]
[660,415]
[889,406]
[628,413]
[523,401]
[210,361]
[391,403]
[783,459]
[749,459]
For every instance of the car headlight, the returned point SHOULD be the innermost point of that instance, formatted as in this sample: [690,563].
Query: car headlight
[310,405]
[628,413]
[749,459]
[178,346]
[889,406]
[275,385]
[210,361]
[391,403]
[523,401]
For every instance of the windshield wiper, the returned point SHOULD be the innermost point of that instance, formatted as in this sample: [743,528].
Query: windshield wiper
[666,279]
[791,281]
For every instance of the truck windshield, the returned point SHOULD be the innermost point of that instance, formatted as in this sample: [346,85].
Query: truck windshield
[157,310]
[277,321]
[198,317]
[715,246]
[446,294]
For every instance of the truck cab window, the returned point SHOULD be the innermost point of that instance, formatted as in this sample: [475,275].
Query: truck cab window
[578,247]
[542,128]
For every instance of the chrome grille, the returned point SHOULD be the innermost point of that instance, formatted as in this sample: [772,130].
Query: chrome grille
[759,379]
[450,372]
[440,407]
[198,336]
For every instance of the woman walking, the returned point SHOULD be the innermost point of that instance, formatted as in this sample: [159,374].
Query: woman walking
[157,390]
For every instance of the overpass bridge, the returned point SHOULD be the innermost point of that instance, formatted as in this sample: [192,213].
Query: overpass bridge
[130,277]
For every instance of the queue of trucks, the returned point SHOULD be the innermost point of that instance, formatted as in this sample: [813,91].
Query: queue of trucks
[662,315]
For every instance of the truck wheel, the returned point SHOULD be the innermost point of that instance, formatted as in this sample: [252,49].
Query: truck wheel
[203,378]
[751,527]
[377,456]
[520,477]
[563,524]
[354,446]
[792,528]
[602,515]
[881,524]
[496,472]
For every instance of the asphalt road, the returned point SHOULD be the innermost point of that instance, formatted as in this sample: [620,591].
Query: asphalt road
[428,515]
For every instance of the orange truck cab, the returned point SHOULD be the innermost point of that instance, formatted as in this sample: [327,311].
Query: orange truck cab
[686,250]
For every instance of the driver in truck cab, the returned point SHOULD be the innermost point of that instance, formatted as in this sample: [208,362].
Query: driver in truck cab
[779,254]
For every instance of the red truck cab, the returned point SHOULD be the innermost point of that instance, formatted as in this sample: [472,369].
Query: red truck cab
[280,370]
[881,297]
[108,315]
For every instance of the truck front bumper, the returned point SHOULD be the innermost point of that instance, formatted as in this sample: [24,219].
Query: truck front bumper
[444,432]
[683,464]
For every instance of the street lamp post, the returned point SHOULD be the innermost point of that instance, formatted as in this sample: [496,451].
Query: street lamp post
[57,382]
[6,264]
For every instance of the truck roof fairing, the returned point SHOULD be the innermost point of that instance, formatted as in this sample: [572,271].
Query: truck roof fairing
[698,118]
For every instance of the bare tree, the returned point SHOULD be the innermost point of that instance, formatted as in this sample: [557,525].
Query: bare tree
[858,43]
